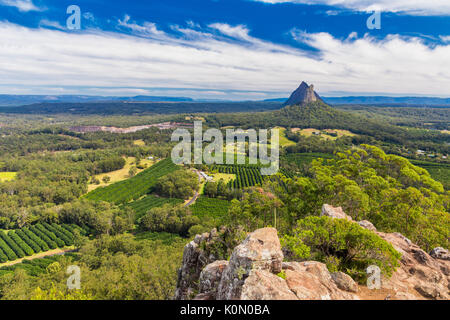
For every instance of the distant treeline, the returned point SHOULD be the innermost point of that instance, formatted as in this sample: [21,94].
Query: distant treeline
[137,108]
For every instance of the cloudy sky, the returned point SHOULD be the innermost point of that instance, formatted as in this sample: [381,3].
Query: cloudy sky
[225,49]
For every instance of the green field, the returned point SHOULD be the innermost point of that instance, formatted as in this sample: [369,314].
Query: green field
[20,243]
[135,187]
[7,176]
[438,171]
[142,206]
[246,175]
[35,267]
[164,237]
[210,207]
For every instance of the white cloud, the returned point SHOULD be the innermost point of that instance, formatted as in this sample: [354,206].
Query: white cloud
[148,28]
[21,5]
[228,59]
[419,7]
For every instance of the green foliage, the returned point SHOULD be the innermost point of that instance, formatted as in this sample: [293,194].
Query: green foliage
[135,187]
[387,190]
[13,245]
[181,184]
[344,244]
[169,219]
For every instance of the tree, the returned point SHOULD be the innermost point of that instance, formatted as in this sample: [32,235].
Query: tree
[350,246]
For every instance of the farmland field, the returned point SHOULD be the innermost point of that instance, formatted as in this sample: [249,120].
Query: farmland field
[246,175]
[34,267]
[438,171]
[210,207]
[135,187]
[142,206]
[284,141]
[118,175]
[20,243]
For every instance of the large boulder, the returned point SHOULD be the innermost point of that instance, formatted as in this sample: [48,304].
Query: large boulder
[344,282]
[334,212]
[311,280]
[256,271]
[261,250]
[264,285]
[210,278]
[194,260]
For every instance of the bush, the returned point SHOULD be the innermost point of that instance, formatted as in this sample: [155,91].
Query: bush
[343,244]
[7,250]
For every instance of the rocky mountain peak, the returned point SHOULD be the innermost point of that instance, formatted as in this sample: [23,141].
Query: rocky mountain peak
[303,94]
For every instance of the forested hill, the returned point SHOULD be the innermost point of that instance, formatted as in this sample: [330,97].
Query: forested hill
[321,116]
[139,108]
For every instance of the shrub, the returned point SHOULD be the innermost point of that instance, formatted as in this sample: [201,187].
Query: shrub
[347,245]
[7,250]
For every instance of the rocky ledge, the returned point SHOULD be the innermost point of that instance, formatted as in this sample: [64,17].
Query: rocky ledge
[256,271]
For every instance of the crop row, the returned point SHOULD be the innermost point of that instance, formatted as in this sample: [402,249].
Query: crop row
[135,187]
[246,175]
[37,238]
[142,206]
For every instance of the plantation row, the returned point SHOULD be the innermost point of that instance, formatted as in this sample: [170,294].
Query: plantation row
[135,187]
[43,237]
[210,207]
[246,175]
[35,267]
[142,206]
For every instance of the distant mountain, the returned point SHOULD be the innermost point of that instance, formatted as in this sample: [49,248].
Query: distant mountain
[20,100]
[381,101]
[302,95]
[387,100]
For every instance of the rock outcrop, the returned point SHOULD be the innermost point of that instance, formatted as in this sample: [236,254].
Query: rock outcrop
[256,271]
[303,94]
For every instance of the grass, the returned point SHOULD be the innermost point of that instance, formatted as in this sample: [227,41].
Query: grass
[139,142]
[323,133]
[7,176]
[284,141]
[119,175]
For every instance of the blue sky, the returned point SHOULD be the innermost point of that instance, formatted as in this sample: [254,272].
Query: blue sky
[225,49]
